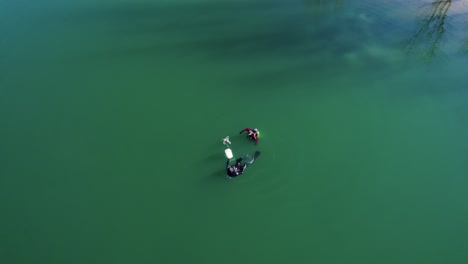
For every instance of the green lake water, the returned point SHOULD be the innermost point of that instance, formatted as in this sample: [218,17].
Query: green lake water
[113,113]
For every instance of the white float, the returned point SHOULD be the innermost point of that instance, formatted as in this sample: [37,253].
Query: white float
[228,153]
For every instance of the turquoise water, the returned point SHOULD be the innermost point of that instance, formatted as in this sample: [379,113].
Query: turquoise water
[113,114]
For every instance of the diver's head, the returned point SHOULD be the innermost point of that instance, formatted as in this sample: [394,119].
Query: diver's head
[256,130]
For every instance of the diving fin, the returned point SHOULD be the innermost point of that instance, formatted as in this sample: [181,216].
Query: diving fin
[257,153]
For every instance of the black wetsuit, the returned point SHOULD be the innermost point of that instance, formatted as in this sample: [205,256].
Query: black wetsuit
[237,169]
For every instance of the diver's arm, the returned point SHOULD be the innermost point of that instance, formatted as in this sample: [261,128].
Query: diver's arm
[245,129]
[241,168]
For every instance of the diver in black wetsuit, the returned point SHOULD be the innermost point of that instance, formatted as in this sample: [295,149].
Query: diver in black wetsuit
[237,169]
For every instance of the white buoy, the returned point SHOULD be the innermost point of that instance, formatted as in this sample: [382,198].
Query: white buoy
[228,153]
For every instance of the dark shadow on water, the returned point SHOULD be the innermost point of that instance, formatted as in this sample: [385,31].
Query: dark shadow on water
[260,44]
[323,6]
[216,157]
[225,29]
[427,40]
[228,32]
[222,32]
[221,174]
[217,176]
[464,47]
